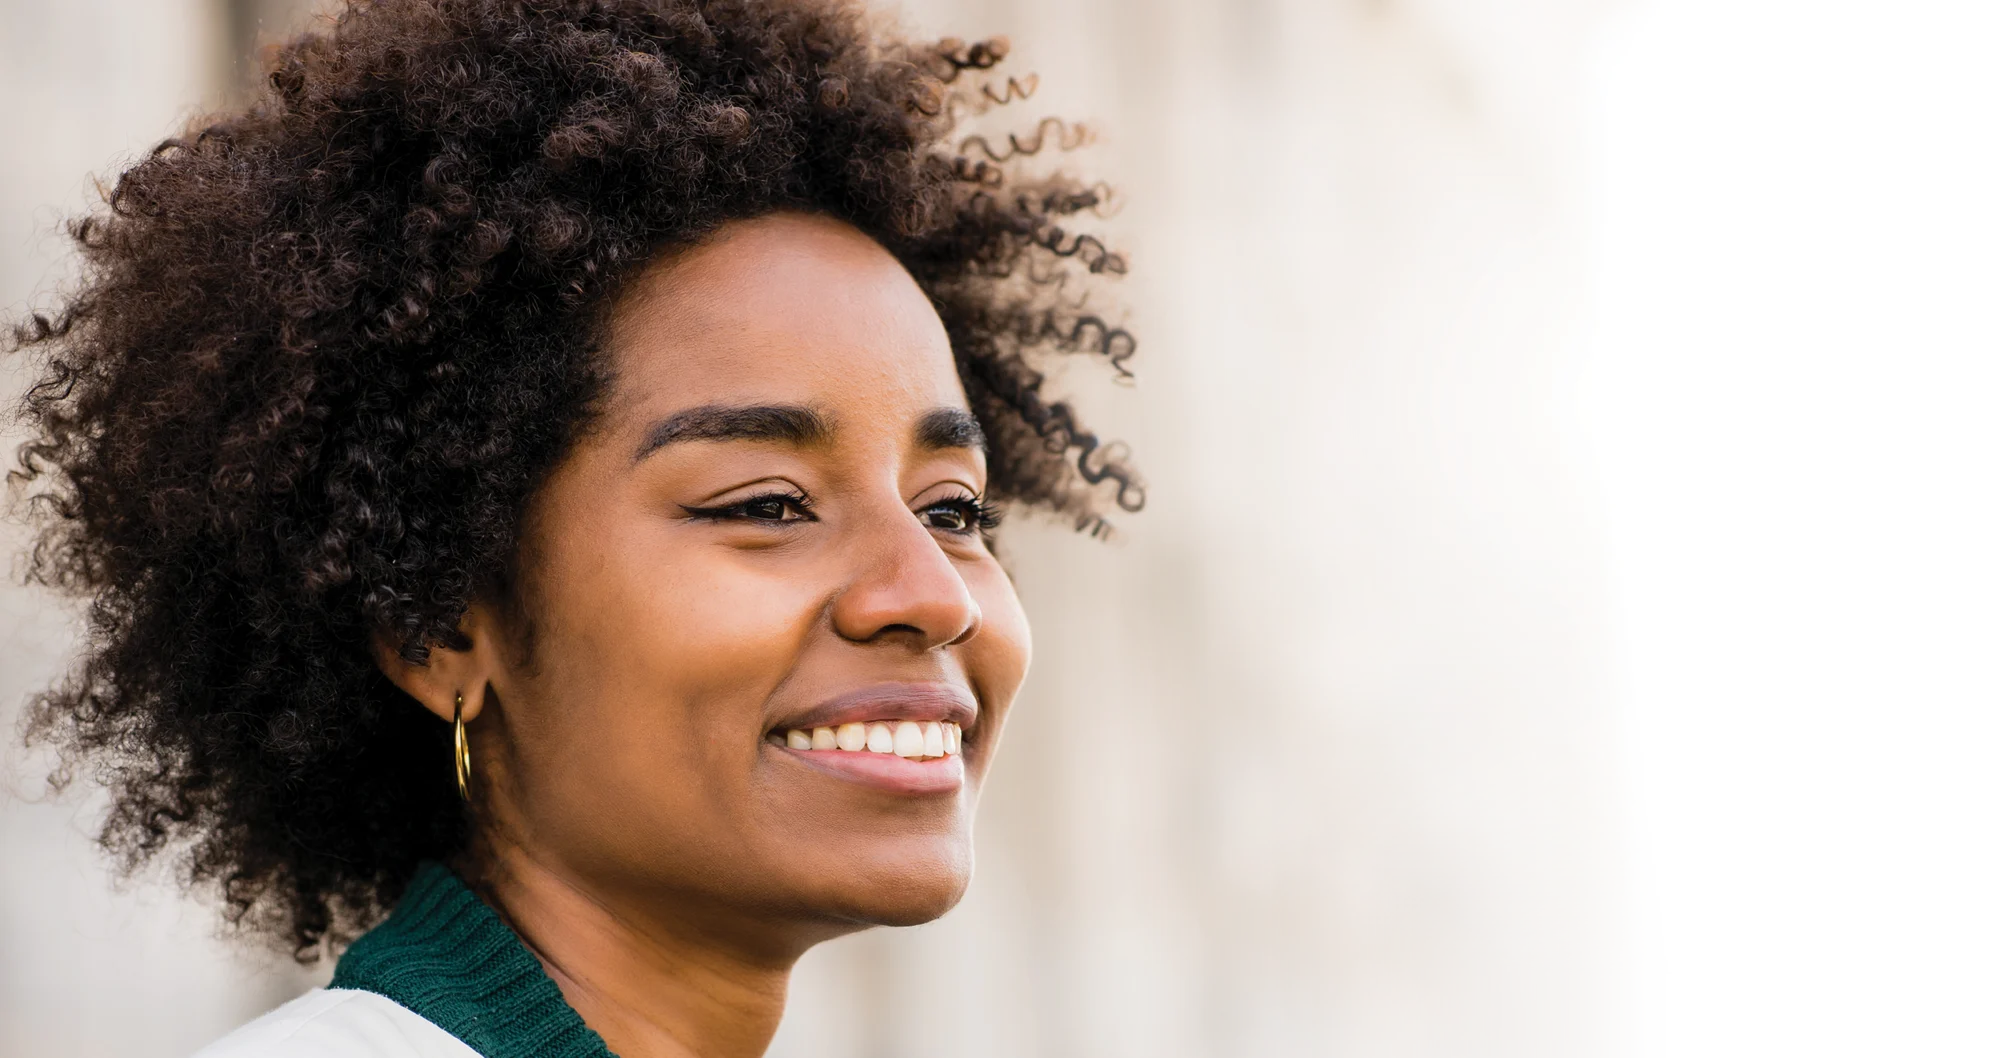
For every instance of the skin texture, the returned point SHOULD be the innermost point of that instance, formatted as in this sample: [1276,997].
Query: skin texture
[633,818]
[324,351]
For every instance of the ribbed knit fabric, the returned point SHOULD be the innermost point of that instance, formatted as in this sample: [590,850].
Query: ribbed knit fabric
[445,955]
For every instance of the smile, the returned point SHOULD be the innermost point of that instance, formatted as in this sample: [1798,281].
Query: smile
[903,738]
[909,739]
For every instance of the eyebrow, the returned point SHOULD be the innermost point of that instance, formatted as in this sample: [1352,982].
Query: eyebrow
[790,424]
[795,425]
[950,428]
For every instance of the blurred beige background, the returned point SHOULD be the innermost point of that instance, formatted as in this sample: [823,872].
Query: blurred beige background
[1394,726]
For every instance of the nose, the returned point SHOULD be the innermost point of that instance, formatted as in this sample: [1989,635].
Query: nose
[904,587]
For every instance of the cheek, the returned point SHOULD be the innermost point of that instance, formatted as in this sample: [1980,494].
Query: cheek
[647,704]
[997,658]
[715,626]
[682,624]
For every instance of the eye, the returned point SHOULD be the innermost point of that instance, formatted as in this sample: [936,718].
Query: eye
[775,508]
[961,514]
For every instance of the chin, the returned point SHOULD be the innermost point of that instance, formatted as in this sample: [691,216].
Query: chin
[904,890]
[908,908]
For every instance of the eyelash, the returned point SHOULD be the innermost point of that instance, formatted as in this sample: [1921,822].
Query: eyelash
[797,501]
[980,516]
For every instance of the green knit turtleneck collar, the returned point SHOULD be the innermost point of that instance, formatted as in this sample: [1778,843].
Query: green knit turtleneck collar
[445,955]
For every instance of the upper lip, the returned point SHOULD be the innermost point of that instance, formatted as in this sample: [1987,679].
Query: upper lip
[891,701]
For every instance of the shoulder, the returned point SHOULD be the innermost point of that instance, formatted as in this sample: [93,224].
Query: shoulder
[339,1023]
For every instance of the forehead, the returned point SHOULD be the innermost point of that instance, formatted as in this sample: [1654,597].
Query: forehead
[789,309]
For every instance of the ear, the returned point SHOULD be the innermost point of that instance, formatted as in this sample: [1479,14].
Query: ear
[438,682]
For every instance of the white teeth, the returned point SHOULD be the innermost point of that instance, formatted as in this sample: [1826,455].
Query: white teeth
[881,739]
[909,740]
[852,737]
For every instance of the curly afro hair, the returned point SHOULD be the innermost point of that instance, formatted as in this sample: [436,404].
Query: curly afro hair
[324,349]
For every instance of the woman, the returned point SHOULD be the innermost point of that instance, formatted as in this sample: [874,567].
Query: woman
[535,471]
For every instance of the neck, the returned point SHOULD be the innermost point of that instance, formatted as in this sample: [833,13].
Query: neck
[653,983]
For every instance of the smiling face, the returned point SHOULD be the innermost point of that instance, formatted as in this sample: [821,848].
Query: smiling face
[772,530]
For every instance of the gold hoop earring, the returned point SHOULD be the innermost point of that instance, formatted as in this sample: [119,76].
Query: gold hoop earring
[461,752]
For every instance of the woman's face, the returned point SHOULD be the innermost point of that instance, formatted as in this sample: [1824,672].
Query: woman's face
[772,528]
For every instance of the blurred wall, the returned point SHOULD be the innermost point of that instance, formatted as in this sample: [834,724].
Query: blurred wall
[1313,759]
[88,967]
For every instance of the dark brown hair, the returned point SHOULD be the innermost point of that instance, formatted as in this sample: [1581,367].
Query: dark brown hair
[324,350]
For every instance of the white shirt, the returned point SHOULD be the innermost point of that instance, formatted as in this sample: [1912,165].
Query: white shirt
[339,1023]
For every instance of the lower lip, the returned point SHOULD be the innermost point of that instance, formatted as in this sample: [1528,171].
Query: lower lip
[884,771]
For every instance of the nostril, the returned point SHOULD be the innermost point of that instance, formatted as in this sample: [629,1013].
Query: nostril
[893,600]
[971,629]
